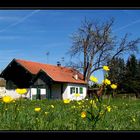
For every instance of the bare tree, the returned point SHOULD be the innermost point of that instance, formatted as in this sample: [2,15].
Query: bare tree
[97,45]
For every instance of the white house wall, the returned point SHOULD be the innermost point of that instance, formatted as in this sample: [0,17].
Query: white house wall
[33,92]
[67,95]
[55,94]
[14,94]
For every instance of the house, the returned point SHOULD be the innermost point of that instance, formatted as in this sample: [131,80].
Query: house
[43,80]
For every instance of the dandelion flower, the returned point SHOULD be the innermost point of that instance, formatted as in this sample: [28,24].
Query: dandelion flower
[113,86]
[66,101]
[37,109]
[93,79]
[52,106]
[21,91]
[106,68]
[107,81]
[83,114]
[108,108]
[7,99]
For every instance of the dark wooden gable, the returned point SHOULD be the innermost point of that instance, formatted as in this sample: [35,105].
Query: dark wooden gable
[17,76]
[42,80]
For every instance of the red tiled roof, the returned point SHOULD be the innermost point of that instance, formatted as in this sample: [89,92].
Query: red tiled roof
[57,73]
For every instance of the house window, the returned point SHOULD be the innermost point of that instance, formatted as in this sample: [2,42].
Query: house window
[77,90]
[81,90]
[72,90]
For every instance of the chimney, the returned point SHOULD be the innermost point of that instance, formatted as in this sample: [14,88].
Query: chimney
[58,64]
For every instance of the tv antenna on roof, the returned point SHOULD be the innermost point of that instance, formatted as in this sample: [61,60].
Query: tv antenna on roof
[62,60]
[48,53]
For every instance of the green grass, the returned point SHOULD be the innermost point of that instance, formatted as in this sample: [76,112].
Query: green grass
[20,115]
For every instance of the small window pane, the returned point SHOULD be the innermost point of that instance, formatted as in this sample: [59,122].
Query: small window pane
[77,90]
[72,90]
[81,90]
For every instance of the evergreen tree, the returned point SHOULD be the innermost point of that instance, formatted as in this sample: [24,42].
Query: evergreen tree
[116,73]
[131,82]
[127,76]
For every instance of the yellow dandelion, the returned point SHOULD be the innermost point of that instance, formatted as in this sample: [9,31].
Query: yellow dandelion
[21,91]
[106,68]
[37,109]
[83,114]
[66,101]
[113,86]
[107,81]
[108,108]
[7,99]
[93,79]
[52,106]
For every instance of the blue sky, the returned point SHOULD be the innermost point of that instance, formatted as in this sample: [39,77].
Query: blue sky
[30,34]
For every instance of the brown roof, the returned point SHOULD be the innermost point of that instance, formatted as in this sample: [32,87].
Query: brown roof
[57,73]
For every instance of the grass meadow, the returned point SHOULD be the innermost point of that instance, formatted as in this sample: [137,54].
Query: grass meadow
[56,115]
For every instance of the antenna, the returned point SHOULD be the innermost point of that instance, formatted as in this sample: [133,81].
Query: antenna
[48,53]
[62,60]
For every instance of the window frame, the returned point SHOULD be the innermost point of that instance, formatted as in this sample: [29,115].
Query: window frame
[81,88]
[76,90]
[71,90]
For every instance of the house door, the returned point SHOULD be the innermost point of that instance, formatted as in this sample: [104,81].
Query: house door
[38,95]
[48,92]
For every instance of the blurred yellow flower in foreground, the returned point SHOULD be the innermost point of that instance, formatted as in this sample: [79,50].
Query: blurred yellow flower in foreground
[113,86]
[107,81]
[66,101]
[108,108]
[37,109]
[106,68]
[93,79]
[7,99]
[52,106]
[21,91]
[83,114]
